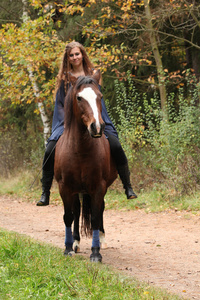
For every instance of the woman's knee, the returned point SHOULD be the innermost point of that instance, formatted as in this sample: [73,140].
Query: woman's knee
[50,148]
[114,143]
[117,151]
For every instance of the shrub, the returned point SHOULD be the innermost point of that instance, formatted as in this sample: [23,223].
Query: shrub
[168,145]
[19,149]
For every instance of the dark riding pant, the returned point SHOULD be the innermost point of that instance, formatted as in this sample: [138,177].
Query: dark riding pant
[117,153]
[48,161]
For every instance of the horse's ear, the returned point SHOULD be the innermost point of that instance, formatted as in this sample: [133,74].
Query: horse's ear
[72,78]
[97,76]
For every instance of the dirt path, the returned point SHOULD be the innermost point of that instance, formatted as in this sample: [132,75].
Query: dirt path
[162,249]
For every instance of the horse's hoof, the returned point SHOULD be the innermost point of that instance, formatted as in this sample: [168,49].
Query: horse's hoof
[95,256]
[69,251]
[76,246]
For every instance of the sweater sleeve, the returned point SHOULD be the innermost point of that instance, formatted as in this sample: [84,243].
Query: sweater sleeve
[58,115]
[109,126]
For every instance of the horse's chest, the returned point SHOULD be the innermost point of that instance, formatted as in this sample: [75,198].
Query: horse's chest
[84,164]
[85,168]
[83,155]
[81,174]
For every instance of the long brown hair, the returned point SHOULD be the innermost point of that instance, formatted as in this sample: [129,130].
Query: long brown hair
[67,67]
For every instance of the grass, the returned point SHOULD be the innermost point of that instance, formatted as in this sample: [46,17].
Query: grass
[31,270]
[154,201]
[159,198]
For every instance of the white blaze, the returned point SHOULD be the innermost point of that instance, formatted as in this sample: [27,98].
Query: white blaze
[89,95]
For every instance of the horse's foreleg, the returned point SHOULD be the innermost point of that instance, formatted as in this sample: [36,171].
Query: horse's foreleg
[95,221]
[76,213]
[68,241]
[95,256]
[68,219]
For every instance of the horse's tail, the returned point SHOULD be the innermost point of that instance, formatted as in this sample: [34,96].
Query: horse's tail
[86,226]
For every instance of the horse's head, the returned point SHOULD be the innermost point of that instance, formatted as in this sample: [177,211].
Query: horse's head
[87,103]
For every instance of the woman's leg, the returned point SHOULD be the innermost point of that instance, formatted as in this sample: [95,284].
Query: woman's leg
[121,161]
[47,173]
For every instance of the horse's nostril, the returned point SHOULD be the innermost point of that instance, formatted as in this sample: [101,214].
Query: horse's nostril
[93,127]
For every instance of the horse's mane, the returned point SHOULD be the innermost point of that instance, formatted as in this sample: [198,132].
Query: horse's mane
[68,107]
[82,80]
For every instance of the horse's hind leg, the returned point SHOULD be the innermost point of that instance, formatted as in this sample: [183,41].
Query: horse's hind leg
[76,234]
[92,213]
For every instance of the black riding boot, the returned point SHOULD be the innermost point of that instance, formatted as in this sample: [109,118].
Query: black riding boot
[124,174]
[47,178]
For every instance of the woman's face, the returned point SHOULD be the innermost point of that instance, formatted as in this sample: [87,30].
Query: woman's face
[75,57]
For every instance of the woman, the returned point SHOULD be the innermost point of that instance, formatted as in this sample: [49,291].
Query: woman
[76,61]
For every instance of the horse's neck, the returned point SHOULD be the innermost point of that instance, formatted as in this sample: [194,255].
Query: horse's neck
[80,138]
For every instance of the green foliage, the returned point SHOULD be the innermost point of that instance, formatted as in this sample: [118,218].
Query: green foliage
[167,145]
[26,273]
[176,148]
[129,115]
[24,50]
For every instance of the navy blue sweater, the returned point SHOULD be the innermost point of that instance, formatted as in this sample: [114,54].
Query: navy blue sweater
[58,116]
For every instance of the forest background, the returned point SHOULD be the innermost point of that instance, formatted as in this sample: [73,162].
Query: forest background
[149,56]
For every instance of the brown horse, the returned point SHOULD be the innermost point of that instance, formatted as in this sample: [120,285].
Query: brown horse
[83,162]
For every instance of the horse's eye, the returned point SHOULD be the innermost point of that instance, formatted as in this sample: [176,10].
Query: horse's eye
[78,98]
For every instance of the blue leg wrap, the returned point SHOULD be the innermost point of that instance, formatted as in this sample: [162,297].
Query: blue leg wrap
[68,237]
[95,239]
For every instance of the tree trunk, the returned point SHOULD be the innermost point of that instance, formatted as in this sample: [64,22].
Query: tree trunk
[44,117]
[156,53]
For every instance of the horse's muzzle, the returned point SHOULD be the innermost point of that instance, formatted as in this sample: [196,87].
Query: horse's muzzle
[96,132]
